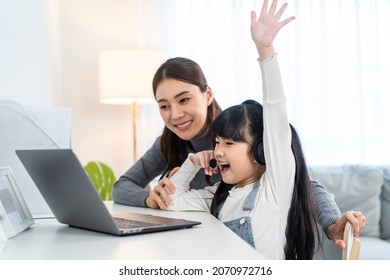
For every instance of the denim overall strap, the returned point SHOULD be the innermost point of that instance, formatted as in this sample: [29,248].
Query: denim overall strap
[243,226]
[251,198]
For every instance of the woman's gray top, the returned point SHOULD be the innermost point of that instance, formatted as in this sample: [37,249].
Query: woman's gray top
[130,189]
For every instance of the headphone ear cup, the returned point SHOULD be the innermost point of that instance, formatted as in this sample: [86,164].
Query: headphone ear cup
[258,152]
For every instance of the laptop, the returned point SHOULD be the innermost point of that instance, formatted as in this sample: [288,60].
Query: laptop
[74,200]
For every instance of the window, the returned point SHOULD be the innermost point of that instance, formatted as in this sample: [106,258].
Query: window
[334,60]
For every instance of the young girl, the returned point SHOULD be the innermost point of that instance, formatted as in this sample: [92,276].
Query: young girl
[262,175]
[265,187]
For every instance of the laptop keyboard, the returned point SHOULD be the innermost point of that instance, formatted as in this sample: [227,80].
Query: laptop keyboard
[128,224]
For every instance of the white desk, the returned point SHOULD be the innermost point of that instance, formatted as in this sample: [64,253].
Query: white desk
[47,239]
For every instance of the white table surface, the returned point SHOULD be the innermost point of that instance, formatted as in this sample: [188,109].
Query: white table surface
[47,239]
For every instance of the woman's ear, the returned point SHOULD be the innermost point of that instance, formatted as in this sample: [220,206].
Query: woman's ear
[209,95]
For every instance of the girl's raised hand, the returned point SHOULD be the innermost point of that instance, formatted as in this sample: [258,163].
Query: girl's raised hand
[265,28]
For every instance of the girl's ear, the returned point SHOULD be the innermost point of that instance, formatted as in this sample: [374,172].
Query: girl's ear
[209,95]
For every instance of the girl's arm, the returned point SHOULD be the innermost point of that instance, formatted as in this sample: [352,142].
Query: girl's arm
[280,163]
[184,199]
[174,193]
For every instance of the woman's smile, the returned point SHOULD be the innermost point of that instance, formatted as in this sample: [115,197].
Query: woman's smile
[184,126]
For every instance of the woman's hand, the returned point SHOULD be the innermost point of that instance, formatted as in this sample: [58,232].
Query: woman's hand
[266,27]
[158,196]
[336,231]
[203,160]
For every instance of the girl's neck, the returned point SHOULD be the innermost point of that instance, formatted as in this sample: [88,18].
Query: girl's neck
[253,179]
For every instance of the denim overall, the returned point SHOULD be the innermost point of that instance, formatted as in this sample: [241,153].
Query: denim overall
[243,226]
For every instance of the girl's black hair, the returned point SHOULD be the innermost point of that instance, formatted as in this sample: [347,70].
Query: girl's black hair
[246,119]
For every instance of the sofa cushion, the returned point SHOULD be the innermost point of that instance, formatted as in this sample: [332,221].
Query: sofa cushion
[385,215]
[355,187]
[374,248]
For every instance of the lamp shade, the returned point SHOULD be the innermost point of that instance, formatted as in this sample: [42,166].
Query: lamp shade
[125,75]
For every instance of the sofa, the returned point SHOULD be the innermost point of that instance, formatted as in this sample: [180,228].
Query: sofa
[361,188]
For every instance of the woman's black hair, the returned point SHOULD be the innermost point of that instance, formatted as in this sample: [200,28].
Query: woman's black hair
[236,123]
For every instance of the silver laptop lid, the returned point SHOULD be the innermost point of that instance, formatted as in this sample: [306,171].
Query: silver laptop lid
[73,199]
[69,193]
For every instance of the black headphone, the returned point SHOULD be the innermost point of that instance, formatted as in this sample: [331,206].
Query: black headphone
[258,147]
[258,151]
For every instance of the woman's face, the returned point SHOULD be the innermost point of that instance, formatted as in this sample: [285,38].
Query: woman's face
[183,107]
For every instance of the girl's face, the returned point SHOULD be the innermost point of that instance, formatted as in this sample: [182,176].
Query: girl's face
[236,162]
[183,107]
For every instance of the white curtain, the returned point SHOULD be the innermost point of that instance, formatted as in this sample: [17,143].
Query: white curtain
[334,59]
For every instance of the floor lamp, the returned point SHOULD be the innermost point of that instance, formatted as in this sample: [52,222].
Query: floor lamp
[125,77]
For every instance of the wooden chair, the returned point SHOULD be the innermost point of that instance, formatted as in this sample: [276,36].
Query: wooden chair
[352,244]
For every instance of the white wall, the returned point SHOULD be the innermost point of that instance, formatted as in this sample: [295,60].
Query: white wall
[24,61]
[99,132]
[49,56]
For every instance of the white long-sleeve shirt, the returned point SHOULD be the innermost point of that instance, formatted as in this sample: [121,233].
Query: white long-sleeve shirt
[269,216]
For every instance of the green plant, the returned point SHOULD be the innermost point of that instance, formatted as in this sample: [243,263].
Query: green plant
[102,177]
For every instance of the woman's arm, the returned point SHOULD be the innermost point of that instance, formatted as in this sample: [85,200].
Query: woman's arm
[130,187]
[325,208]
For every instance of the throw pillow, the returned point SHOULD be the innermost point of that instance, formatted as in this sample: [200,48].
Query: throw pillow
[355,187]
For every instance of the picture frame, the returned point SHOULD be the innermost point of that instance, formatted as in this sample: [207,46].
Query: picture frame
[15,216]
